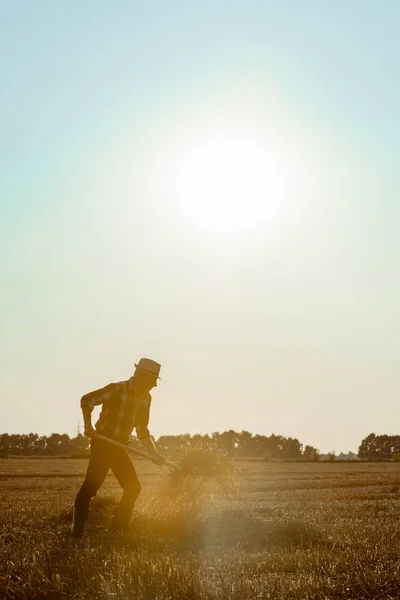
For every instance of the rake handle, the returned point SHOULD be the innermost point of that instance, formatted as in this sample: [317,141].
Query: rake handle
[131,450]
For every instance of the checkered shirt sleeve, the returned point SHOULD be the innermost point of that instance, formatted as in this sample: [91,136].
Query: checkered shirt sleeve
[142,418]
[100,396]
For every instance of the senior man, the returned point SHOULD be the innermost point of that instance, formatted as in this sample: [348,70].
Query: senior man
[125,406]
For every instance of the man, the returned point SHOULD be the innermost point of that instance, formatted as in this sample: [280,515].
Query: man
[125,406]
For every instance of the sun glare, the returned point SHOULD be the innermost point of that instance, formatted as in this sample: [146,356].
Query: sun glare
[229,183]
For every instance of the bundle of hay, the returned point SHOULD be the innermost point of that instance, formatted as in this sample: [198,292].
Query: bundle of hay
[208,474]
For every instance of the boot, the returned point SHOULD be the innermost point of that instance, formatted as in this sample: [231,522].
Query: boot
[119,523]
[121,519]
[78,521]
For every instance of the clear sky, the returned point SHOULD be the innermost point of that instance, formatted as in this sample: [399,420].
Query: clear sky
[211,184]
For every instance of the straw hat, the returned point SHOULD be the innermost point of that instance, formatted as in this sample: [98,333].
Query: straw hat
[149,366]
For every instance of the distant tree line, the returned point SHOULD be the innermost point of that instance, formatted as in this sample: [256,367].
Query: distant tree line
[32,444]
[234,444]
[380,447]
[241,445]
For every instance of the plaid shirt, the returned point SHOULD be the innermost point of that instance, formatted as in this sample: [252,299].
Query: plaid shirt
[122,410]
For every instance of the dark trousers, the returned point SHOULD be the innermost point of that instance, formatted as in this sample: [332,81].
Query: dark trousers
[104,456]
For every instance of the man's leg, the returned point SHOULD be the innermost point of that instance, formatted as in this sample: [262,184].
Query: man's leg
[98,467]
[125,473]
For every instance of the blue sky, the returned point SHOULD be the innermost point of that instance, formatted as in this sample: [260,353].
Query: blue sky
[292,328]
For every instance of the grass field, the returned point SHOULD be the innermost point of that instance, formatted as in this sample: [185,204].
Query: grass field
[304,531]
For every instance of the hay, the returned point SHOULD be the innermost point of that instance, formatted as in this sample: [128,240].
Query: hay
[208,474]
[210,510]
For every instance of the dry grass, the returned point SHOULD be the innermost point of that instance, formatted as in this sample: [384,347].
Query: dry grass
[207,476]
[317,531]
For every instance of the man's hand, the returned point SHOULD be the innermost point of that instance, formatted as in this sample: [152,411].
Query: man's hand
[157,459]
[89,431]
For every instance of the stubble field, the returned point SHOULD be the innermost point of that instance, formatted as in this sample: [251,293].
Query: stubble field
[309,531]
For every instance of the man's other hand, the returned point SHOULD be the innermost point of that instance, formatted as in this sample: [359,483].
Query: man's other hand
[157,459]
[89,431]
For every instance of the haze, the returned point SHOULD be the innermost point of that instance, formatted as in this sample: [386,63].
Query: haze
[267,290]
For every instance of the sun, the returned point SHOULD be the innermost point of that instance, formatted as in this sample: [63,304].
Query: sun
[229,183]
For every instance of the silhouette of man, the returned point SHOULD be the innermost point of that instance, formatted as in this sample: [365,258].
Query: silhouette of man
[125,406]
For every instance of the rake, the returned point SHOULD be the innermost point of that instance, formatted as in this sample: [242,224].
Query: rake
[167,463]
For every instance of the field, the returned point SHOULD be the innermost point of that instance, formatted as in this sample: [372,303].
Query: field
[287,530]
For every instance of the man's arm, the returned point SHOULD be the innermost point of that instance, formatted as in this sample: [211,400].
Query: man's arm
[143,433]
[148,443]
[87,419]
[89,401]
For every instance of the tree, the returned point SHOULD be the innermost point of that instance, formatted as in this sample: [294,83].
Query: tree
[58,444]
[226,441]
[379,447]
[246,444]
[292,448]
[310,453]
[4,445]
[367,446]
[79,445]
